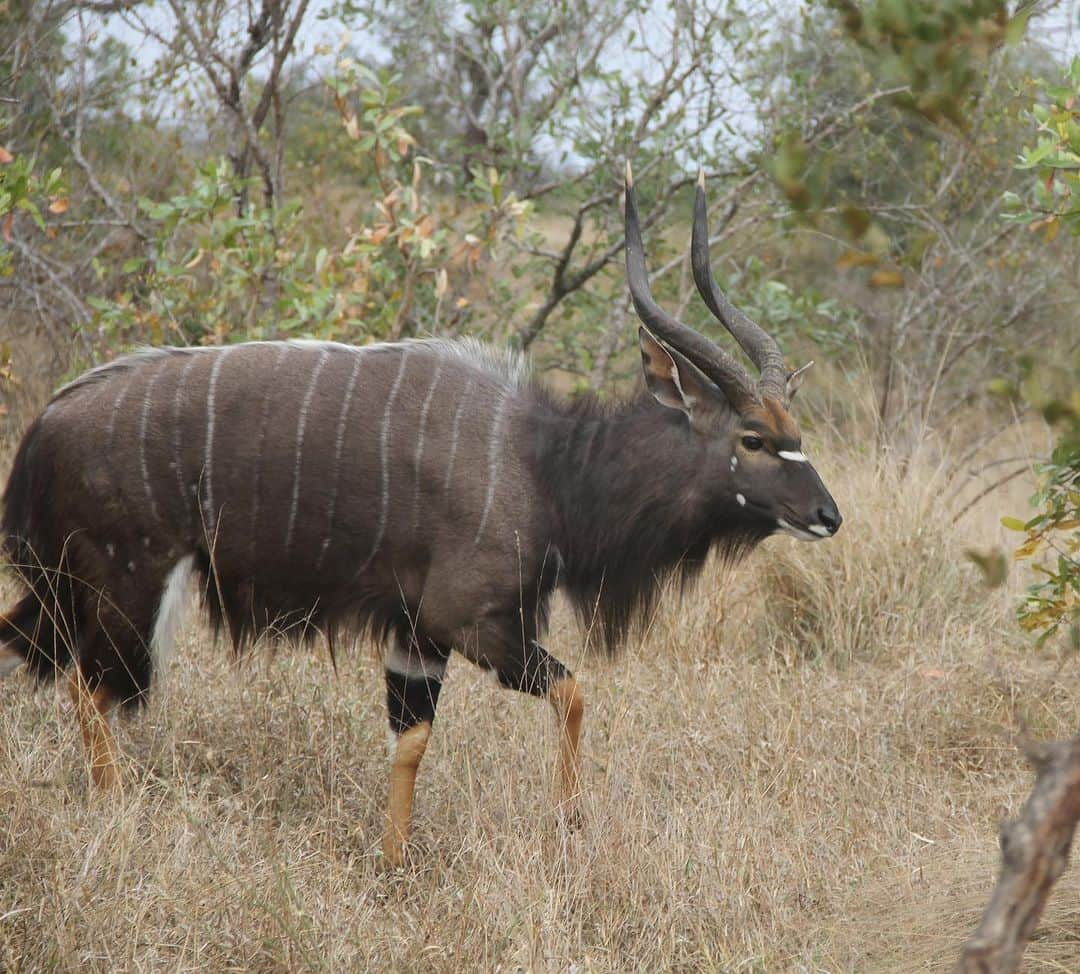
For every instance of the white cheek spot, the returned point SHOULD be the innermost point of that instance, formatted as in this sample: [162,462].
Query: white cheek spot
[820,529]
[131,567]
[110,550]
[793,456]
[734,461]
[146,542]
[741,500]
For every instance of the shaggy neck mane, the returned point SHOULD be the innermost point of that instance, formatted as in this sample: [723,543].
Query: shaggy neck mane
[625,484]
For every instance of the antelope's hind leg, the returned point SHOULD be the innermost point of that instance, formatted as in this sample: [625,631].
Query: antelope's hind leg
[112,667]
[93,708]
[414,673]
[113,664]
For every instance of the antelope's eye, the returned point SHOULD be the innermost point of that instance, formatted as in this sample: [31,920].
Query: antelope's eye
[752,442]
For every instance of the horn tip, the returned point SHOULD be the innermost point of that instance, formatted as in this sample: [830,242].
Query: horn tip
[629,176]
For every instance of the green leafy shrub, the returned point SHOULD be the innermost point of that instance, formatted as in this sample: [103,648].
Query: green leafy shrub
[217,271]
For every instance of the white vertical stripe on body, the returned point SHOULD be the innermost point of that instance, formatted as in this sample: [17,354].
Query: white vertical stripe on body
[384,458]
[420,444]
[339,445]
[264,421]
[586,453]
[301,421]
[456,430]
[119,398]
[208,452]
[144,421]
[178,460]
[494,457]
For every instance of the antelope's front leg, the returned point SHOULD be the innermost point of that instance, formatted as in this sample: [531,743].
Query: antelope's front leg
[541,675]
[413,681]
[569,703]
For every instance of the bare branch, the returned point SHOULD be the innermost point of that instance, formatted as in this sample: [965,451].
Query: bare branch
[1034,852]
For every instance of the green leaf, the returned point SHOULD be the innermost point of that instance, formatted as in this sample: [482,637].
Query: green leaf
[1013,523]
[1016,28]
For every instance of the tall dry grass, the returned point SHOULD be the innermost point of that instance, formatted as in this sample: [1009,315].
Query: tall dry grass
[801,766]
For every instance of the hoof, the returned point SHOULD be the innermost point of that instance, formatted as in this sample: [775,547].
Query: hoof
[395,853]
[106,779]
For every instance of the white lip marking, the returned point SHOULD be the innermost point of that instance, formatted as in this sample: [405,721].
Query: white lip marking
[820,529]
[793,456]
[741,500]
[800,533]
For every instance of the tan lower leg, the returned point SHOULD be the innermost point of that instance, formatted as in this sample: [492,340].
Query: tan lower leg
[410,749]
[569,703]
[92,708]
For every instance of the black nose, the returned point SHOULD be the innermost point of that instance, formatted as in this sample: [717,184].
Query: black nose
[830,518]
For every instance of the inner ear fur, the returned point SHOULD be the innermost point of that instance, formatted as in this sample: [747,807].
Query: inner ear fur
[674,380]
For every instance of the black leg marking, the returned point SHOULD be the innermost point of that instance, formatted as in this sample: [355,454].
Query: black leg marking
[410,701]
[535,672]
[538,673]
[413,682]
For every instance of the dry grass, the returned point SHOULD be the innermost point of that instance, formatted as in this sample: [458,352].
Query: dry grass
[802,768]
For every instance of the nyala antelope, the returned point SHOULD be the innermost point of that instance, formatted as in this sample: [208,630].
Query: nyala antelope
[425,492]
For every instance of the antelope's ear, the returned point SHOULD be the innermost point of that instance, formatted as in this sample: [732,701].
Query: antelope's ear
[673,380]
[795,379]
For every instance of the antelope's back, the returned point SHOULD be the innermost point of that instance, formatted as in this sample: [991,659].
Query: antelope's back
[309,478]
